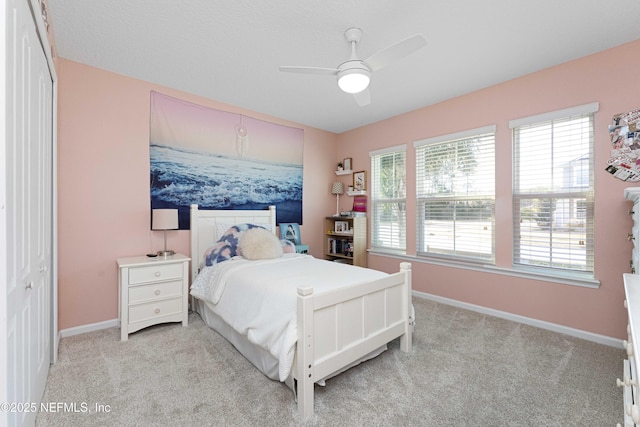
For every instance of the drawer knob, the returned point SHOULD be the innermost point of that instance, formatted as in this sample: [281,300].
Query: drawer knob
[157,274]
[157,311]
[626,381]
[157,292]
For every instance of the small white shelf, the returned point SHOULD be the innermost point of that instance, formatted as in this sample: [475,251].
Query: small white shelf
[344,172]
[357,193]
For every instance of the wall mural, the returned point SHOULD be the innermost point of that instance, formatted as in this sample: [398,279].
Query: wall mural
[222,160]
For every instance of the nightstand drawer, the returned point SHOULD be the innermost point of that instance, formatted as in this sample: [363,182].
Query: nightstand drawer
[152,310]
[153,291]
[155,273]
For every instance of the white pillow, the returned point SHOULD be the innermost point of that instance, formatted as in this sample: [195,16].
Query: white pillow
[258,243]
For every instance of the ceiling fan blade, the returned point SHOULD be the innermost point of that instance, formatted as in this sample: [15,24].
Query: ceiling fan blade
[363,98]
[309,70]
[395,52]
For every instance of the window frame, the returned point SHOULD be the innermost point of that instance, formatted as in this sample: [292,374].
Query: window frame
[376,201]
[455,255]
[584,199]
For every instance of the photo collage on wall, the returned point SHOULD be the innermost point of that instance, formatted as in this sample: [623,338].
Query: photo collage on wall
[624,133]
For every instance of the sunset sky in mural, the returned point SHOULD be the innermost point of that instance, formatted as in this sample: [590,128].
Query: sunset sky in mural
[183,124]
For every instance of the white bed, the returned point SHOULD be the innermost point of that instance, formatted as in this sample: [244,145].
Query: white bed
[333,318]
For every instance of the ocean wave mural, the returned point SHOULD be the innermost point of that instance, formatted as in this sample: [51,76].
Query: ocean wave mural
[222,160]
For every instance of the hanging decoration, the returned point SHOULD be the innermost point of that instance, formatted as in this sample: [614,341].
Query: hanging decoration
[624,134]
[242,139]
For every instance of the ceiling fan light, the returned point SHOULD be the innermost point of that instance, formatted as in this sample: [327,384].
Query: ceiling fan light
[353,81]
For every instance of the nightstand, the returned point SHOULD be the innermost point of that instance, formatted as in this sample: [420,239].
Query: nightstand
[151,291]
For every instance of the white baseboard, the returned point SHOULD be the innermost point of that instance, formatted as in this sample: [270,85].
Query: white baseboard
[114,323]
[589,336]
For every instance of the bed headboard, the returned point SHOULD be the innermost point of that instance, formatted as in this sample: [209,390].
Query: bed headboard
[204,228]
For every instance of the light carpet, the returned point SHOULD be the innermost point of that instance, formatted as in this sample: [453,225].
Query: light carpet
[465,369]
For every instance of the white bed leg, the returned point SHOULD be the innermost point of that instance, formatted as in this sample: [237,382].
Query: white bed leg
[406,339]
[305,352]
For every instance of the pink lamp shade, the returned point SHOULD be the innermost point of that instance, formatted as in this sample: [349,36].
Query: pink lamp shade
[165,219]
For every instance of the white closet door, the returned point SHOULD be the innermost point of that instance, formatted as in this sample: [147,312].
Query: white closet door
[29,212]
[41,216]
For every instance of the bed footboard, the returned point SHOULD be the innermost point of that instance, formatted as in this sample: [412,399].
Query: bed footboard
[339,327]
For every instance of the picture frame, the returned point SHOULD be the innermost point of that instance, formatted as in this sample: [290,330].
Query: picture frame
[341,226]
[360,181]
[290,231]
[347,163]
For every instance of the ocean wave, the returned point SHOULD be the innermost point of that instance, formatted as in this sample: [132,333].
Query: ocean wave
[181,177]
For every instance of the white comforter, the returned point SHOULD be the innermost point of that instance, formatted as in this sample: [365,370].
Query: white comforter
[258,298]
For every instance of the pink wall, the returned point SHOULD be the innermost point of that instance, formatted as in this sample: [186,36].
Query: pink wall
[103,185]
[608,78]
[104,188]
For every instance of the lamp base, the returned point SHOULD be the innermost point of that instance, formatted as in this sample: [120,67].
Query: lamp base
[166,253]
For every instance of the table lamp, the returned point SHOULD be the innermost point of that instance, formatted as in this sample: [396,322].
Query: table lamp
[337,188]
[165,219]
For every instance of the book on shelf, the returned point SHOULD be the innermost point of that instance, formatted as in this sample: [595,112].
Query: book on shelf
[331,246]
[339,247]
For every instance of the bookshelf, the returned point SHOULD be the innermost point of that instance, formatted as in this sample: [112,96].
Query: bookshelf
[347,240]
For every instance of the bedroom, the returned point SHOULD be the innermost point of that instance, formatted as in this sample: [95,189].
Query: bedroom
[103,189]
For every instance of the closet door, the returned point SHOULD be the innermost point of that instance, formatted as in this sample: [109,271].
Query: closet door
[29,212]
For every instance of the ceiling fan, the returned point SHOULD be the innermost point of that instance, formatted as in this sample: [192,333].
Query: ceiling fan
[354,74]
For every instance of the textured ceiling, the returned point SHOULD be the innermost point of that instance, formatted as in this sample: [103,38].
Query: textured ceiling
[230,51]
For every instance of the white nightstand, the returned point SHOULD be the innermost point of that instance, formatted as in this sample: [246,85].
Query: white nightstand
[151,291]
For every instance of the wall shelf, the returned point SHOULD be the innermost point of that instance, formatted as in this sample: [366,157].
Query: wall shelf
[344,172]
[357,193]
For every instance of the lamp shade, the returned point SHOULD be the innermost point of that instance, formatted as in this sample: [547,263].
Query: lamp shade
[164,219]
[337,188]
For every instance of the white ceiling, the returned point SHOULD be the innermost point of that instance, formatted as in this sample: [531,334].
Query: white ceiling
[230,51]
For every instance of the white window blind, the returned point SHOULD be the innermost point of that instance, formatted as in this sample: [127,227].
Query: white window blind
[553,194]
[456,195]
[388,198]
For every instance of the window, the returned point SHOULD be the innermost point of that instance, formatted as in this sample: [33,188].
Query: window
[456,195]
[388,198]
[553,192]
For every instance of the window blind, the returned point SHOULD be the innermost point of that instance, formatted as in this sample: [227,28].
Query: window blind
[388,199]
[456,196]
[553,195]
